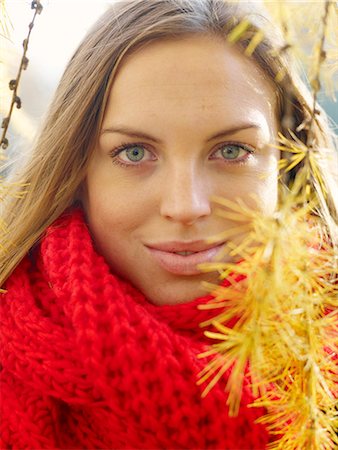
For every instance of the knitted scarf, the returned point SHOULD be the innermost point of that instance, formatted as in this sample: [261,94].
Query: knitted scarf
[89,363]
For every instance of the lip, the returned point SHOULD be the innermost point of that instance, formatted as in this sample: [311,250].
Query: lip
[163,254]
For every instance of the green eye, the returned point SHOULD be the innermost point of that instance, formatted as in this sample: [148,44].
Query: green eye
[135,154]
[231,151]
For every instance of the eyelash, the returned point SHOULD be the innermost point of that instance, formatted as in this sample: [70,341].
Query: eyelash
[250,151]
[125,146]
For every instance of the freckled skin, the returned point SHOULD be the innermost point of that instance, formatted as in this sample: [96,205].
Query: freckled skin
[181,92]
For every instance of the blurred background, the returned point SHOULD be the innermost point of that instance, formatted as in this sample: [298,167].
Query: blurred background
[56,34]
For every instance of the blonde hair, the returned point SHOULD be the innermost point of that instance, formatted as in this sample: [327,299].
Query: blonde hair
[58,163]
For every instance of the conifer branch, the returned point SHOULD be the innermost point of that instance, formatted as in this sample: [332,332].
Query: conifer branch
[14,83]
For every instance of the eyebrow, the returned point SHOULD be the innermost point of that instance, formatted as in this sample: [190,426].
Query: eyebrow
[140,134]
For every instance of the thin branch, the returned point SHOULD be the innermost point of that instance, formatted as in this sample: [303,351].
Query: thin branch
[14,84]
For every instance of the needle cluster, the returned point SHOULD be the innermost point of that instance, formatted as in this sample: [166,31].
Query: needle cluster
[277,323]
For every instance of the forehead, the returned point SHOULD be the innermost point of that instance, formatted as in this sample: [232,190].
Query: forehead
[199,74]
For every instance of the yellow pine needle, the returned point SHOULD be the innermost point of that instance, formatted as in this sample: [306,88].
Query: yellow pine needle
[290,149]
[299,152]
[231,215]
[238,206]
[315,168]
[285,317]
[255,41]
[302,25]
[295,160]
[5,22]
[245,248]
[211,267]
[229,233]
[218,362]
[13,189]
[237,32]
[280,75]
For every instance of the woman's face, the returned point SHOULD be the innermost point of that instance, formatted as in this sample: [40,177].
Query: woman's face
[187,119]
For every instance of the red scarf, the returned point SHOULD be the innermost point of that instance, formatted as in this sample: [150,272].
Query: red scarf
[89,363]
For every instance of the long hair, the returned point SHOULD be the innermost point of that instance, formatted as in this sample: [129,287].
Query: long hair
[57,165]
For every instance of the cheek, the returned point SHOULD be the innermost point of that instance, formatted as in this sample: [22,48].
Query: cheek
[110,220]
[107,209]
[257,188]
[266,183]
[113,205]
[264,193]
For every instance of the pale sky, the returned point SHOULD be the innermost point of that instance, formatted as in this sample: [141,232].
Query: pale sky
[55,36]
[56,33]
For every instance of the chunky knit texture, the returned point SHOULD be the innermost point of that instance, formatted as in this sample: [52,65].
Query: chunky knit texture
[89,363]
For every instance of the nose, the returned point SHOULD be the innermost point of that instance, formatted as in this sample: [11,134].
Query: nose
[185,196]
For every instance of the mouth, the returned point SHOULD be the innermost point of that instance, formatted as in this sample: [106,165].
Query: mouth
[182,258]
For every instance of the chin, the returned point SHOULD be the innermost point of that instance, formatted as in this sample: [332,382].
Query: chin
[179,291]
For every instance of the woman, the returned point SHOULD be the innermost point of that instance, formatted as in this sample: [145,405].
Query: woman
[155,114]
